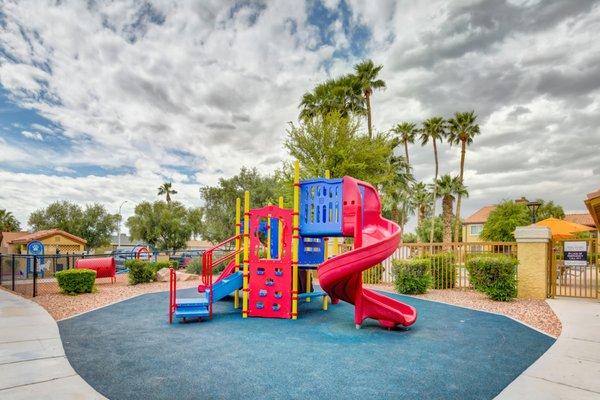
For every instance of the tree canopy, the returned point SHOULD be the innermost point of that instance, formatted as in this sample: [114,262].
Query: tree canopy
[92,223]
[333,143]
[163,225]
[548,209]
[219,201]
[501,223]
[8,222]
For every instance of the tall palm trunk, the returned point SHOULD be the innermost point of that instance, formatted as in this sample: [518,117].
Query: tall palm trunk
[406,154]
[447,218]
[458,225]
[368,98]
[168,197]
[433,195]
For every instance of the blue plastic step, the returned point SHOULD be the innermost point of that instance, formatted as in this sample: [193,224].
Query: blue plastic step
[191,312]
[201,301]
[311,295]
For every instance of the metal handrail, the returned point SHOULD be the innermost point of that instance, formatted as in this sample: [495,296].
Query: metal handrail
[208,265]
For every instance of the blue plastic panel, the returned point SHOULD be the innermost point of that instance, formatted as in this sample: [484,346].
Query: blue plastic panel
[274,234]
[321,207]
[311,250]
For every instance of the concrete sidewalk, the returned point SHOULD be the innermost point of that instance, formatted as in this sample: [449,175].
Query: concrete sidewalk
[570,369]
[33,364]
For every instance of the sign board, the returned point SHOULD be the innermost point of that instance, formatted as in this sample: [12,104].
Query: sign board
[35,248]
[575,253]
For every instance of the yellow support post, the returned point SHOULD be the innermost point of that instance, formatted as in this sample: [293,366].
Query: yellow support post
[295,237]
[268,252]
[246,272]
[326,253]
[280,231]
[238,246]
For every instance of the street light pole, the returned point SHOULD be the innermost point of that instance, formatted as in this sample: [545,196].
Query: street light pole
[533,207]
[119,226]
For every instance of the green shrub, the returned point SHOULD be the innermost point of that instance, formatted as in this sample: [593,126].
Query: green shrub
[140,271]
[156,266]
[412,276]
[495,276]
[195,267]
[443,270]
[75,281]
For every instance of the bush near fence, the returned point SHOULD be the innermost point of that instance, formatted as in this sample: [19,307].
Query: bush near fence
[495,275]
[412,276]
[76,281]
[141,271]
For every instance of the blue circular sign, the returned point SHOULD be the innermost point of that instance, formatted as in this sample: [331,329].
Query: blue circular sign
[35,248]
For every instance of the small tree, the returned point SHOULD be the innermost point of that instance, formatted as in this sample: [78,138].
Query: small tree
[161,224]
[501,223]
[8,222]
[333,143]
[92,223]
[219,201]
[548,209]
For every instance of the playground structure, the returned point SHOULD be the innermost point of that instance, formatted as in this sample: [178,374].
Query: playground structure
[276,249]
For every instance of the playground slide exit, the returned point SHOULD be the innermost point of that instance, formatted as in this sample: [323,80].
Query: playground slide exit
[341,276]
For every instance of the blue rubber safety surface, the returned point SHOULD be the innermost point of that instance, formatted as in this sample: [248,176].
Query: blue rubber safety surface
[129,351]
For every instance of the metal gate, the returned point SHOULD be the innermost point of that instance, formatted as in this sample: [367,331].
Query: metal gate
[573,280]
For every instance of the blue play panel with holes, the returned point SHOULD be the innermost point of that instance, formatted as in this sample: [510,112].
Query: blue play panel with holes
[128,351]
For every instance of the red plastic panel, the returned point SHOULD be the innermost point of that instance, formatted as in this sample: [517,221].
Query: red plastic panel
[270,281]
[104,267]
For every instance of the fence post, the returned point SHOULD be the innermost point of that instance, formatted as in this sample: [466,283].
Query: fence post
[532,253]
[13,273]
[35,273]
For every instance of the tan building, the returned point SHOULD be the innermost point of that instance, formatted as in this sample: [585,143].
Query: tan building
[5,242]
[52,239]
[473,225]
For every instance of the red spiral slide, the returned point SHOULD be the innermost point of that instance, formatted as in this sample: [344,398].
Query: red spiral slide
[375,239]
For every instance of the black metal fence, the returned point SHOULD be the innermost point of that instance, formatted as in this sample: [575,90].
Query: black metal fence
[32,276]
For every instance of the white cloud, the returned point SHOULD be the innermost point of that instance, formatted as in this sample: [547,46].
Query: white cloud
[33,135]
[205,92]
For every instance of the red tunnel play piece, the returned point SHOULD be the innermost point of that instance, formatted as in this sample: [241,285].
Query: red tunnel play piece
[105,267]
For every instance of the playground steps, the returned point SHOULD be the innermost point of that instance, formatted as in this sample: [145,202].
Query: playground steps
[192,308]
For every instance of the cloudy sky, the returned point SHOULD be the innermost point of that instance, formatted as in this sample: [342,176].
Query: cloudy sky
[101,101]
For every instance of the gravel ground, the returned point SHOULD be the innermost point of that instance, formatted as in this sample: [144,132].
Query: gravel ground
[536,313]
[61,306]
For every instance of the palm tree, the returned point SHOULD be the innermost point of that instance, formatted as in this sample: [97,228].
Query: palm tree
[396,199]
[447,188]
[406,131]
[462,130]
[366,72]
[8,222]
[421,201]
[434,129]
[166,189]
[342,95]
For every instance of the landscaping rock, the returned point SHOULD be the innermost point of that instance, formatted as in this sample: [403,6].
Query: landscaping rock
[163,276]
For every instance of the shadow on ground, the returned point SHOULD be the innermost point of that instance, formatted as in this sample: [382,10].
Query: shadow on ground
[129,351]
